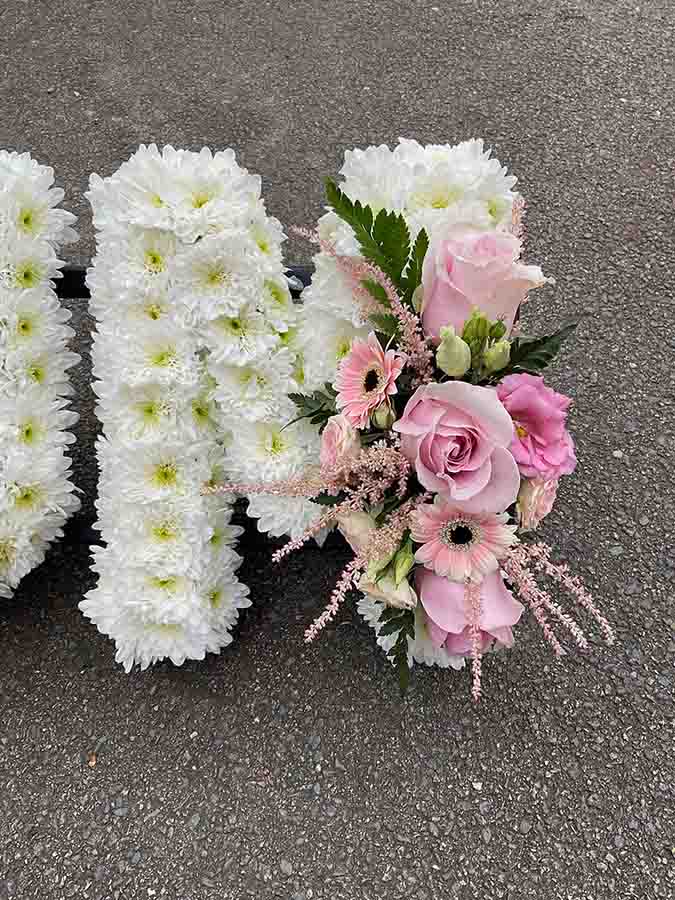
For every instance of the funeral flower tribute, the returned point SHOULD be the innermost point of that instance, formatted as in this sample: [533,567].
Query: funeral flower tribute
[37,494]
[442,446]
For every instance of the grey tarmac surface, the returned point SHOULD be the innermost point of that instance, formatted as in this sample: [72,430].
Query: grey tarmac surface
[280,771]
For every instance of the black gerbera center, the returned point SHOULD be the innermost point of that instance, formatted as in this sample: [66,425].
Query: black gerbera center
[372,379]
[461,534]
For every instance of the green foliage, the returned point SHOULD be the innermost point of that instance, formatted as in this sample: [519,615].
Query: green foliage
[329,499]
[384,239]
[385,324]
[402,623]
[532,355]
[413,275]
[317,407]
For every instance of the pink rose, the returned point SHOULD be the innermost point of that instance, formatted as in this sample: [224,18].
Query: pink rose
[474,268]
[447,617]
[535,501]
[542,445]
[457,436]
[339,442]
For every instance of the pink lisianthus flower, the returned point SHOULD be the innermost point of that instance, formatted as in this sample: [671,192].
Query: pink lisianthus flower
[340,442]
[458,545]
[366,378]
[457,435]
[474,269]
[542,445]
[448,619]
[535,501]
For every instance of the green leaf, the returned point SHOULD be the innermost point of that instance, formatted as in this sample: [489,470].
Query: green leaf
[384,324]
[317,407]
[384,241]
[328,499]
[376,290]
[403,622]
[532,355]
[392,235]
[413,275]
[393,626]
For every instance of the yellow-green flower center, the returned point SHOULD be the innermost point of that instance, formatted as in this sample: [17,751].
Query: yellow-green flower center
[27,275]
[276,293]
[24,326]
[343,348]
[164,531]
[154,262]
[201,411]
[165,584]
[27,496]
[154,311]
[166,474]
[36,372]
[277,444]
[164,357]
[28,220]
[217,277]
[7,554]
[29,432]
[200,199]
[215,598]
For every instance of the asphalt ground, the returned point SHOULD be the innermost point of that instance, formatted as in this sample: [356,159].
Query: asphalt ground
[276,770]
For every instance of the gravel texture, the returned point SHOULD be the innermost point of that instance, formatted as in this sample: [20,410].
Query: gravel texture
[279,771]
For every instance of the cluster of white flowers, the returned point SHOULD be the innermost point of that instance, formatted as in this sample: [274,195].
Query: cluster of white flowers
[433,187]
[193,358]
[36,493]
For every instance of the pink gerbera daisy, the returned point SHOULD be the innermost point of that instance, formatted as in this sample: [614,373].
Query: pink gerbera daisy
[458,545]
[366,379]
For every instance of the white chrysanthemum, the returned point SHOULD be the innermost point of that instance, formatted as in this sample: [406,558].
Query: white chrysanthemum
[286,515]
[240,340]
[272,451]
[325,340]
[252,391]
[331,292]
[194,326]
[420,649]
[276,303]
[218,276]
[27,263]
[376,178]
[36,493]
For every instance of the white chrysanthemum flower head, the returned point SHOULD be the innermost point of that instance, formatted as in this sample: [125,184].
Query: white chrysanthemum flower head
[252,391]
[240,340]
[325,341]
[217,276]
[273,450]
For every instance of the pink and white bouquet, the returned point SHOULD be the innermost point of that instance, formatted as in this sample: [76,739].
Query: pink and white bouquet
[441,445]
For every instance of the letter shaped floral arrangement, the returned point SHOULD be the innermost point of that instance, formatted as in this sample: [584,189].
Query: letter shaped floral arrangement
[36,493]
[192,351]
[441,445]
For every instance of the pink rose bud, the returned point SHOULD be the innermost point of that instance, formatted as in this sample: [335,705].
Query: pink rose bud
[535,501]
[340,442]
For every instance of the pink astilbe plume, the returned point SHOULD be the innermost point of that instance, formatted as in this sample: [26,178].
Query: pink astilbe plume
[412,341]
[522,563]
[472,591]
